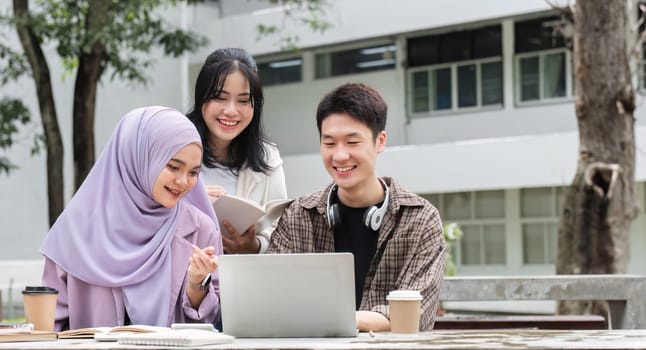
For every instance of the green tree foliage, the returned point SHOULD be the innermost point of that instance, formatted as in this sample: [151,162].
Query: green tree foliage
[92,38]
[96,40]
[13,112]
[452,234]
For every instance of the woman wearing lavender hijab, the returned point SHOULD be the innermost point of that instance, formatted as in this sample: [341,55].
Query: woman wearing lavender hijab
[129,248]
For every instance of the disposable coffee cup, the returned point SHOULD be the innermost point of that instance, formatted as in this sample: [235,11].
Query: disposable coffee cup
[40,307]
[404,311]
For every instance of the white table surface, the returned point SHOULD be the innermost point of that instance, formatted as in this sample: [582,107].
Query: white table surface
[453,339]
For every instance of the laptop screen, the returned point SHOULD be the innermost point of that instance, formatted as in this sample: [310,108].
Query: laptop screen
[288,295]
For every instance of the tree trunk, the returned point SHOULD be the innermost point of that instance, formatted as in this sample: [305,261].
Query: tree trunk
[41,75]
[85,87]
[600,204]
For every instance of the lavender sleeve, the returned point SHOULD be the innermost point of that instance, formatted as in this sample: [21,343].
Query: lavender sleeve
[207,234]
[55,277]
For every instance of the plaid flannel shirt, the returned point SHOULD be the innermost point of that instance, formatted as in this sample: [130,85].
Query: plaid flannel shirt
[410,249]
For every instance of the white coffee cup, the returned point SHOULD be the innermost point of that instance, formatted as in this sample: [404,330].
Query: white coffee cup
[404,311]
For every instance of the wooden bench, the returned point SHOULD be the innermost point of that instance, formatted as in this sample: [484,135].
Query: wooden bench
[521,321]
[624,293]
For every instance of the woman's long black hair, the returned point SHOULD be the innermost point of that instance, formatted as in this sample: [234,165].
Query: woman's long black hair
[248,148]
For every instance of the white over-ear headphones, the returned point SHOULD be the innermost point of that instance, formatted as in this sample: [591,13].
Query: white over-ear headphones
[373,217]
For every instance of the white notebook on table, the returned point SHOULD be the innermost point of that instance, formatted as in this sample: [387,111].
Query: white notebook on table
[176,337]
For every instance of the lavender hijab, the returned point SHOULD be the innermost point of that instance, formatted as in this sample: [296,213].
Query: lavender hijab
[112,233]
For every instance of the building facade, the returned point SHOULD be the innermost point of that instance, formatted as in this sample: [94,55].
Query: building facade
[481,115]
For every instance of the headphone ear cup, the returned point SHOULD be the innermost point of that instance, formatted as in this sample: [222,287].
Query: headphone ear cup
[376,220]
[333,216]
[369,218]
[374,217]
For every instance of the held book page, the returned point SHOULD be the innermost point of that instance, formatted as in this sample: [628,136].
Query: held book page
[242,212]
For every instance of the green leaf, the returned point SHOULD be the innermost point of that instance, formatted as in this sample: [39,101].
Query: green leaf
[452,233]
[6,166]
[12,64]
[13,114]
[177,42]
[306,12]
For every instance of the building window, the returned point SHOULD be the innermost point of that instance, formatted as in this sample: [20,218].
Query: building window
[542,76]
[539,211]
[281,72]
[367,59]
[420,92]
[481,216]
[455,71]
[542,62]
[641,17]
[441,88]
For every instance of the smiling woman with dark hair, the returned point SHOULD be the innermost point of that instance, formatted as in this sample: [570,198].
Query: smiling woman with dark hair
[238,158]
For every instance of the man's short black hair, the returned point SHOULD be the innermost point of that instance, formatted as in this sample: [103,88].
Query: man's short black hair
[357,100]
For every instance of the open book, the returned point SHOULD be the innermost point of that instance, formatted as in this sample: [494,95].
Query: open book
[242,213]
[18,331]
[31,336]
[15,327]
[89,332]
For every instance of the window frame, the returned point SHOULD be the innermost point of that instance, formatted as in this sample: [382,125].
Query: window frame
[454,87]
[438,199]
[557,194]
[541,54]
[355,47]
[271,60]
[641,69]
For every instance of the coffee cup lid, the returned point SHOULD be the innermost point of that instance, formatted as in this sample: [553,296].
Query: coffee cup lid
[404,295]
[39,290]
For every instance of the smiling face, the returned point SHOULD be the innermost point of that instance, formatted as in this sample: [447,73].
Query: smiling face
[349,152]
[229,113]
[178,176]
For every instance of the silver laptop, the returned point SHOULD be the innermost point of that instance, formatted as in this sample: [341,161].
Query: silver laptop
[287,295]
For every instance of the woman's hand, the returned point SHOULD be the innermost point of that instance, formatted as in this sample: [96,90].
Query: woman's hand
[202,262]
[236,243]
[215,192]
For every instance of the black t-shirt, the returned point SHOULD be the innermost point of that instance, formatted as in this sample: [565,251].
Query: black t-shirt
[354,237]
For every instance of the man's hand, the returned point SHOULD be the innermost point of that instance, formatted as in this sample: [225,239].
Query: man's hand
[236,243]
[372,321]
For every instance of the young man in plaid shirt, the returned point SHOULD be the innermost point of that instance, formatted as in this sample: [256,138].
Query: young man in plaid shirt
[394,235]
